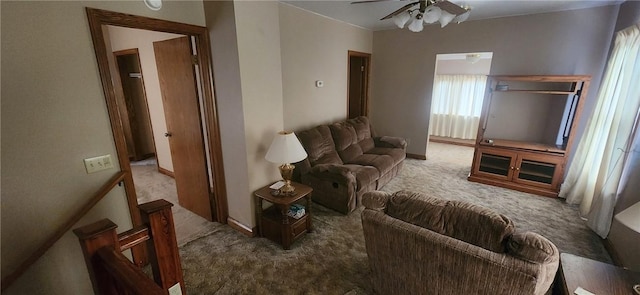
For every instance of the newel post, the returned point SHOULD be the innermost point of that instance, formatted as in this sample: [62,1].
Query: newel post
[163,246]
[93,237]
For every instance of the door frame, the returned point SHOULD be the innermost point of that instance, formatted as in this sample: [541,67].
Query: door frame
[97,18]
[365,102]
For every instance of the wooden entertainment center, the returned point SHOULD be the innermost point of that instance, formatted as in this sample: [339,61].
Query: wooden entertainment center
[526,131]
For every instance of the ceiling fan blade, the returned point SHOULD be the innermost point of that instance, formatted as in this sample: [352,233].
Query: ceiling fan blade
[402,9]
[450,7]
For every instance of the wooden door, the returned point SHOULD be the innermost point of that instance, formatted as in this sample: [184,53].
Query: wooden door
[137,126]
[358,83]
[541,170]
[184,129]
[495,163]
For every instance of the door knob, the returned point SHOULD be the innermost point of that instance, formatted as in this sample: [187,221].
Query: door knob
[167,134]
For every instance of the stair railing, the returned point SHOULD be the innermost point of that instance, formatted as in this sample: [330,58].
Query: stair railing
[31,259]
[112,273]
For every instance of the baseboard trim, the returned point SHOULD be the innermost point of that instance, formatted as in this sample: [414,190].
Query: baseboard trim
[453,141]
[166,172]
[237,225]
[416,156]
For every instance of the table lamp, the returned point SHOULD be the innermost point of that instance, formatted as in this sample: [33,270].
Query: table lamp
[286,149]
[630,218]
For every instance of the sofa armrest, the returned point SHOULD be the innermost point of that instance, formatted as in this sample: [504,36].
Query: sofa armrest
[376,200]
[532,247]
[390,142]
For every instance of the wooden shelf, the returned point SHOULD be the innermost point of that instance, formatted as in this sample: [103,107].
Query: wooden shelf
[560,92]
[531,146]
[496,167]
[536,174]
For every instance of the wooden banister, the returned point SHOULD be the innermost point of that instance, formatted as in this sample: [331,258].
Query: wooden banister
[112,274]
[126,278]
[133,237]
[103,191]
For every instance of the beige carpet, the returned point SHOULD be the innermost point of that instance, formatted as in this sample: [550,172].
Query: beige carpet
[152,185]
[332,259]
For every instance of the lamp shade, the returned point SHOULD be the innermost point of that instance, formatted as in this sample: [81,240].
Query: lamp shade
[285,148]
[401,19]
[446,18]
[432,14]
[416,24]
[630,217]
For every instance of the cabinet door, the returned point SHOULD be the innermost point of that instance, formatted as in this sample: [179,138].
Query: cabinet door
[494,163]
[538,170]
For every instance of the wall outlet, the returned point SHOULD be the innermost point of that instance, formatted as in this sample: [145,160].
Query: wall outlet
[99,163]
[175,290]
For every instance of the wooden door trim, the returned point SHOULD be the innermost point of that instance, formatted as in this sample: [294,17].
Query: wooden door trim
[367,56]
[97,18]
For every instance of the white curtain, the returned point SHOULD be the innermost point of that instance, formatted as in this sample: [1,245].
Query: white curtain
[594,176]
[456,105]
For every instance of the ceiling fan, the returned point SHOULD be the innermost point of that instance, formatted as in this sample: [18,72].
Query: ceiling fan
[425,11]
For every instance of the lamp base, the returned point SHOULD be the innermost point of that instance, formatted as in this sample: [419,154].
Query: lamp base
[286,171]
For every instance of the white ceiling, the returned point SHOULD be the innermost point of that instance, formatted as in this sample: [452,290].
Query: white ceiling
[368,15]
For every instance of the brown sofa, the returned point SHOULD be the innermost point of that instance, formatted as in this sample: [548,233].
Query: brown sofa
[345,160]
[422,245]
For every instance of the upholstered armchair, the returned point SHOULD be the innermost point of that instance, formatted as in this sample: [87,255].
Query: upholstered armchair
[418,244]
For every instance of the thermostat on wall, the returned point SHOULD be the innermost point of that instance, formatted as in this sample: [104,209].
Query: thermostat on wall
[319,83]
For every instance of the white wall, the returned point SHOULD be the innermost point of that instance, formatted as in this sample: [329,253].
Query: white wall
[245,40]
[127,38]
[316,48]
[463,67]
[54,115]
[267,56]
[568,42]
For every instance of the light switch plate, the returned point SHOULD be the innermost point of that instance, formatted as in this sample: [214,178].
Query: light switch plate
[99,163]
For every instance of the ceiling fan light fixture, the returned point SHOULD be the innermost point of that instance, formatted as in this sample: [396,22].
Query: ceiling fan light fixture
[416,24]
[473,57]
[432,14]
[446,18]
[401,19]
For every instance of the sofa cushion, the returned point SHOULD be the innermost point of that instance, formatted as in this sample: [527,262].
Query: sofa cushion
[383,163]
[319,145]
[464,221]
[397,154]
[362,128]
[346,143]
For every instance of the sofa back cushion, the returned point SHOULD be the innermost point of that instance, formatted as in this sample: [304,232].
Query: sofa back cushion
[460,220]
[319,145]
[352,137]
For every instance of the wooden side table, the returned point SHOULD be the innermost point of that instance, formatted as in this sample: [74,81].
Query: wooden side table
[594,276]
[274,223]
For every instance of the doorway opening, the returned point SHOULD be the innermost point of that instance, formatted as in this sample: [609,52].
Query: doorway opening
[358,84]
[202,157]
[136,122]
[458,91]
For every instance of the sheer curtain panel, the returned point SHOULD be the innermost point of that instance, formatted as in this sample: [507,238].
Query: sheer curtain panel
[594,176]
[456,105]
